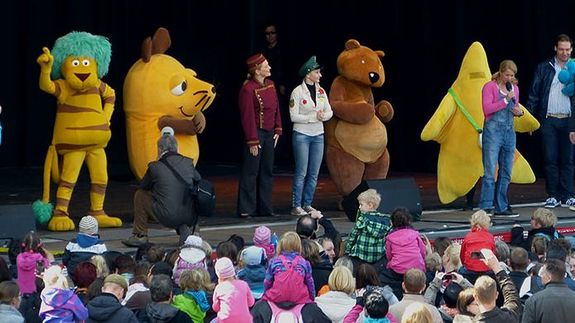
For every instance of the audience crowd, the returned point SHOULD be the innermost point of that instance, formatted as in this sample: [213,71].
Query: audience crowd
[385,271]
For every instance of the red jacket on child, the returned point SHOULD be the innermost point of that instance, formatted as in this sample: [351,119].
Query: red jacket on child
[476,240]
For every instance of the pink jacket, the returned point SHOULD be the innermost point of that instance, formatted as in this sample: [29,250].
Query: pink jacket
[26,264]
[232,301]
[404,250]
[492,100]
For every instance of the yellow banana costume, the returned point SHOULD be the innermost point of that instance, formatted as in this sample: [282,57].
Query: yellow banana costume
[72,72]
[159,91]
[460,166]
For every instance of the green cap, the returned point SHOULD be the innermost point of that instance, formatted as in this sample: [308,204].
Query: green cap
[309,66]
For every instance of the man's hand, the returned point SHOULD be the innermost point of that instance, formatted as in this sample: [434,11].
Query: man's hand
[490,260]
[572,137]
[316,215]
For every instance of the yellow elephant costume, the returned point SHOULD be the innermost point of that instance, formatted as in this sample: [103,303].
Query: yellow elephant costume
[460,166]
[158,92]
[72,72]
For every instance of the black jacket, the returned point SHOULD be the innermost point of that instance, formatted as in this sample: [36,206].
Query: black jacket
[517,239]
[163,313]
[106,308]
[310,313]
[171,200]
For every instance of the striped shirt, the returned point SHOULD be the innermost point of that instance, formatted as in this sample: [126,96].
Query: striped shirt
[558,102]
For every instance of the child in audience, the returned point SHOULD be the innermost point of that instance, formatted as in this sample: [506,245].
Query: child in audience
[194,301]
[367,239]
[372,306]
[86,244]
[404,247]
[262,239]
[191,256]
[543,223]
[59,303]
[479,238]
[253,271]
[31,262]
[232,297]
[288,277]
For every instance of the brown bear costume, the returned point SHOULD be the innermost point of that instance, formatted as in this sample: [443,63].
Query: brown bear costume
[356,138]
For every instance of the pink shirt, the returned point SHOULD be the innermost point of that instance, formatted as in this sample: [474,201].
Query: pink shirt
[232,301]
[493,100]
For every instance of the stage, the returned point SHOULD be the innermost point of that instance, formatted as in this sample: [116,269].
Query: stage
[24,185]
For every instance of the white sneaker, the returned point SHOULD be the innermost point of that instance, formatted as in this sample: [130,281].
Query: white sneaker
[298,211]
[309,209]
[551,203]
[569,203]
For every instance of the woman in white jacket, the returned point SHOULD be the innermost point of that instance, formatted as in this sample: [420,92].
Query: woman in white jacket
[337,303]
[309,108]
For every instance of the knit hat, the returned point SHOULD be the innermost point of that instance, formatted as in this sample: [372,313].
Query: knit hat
[255,60]
[89,225]
[193,241]
[224,268]
[252,255]
[262,235]
[118,280]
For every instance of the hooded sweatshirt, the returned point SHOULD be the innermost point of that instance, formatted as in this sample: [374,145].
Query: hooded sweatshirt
[335,305]
[189,303]
[61,305]
[161,312]
[254,275]
[106,308]
[26,263]
[404,250]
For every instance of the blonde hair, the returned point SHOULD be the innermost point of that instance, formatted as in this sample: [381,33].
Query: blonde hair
[102,269]
[485,290]
[504,66]
[417,312]
[370,196]
[453,252]
[196,279]
[433,262]
[289,242]
[545,217]
[53,278]
[341,280]
[480,219]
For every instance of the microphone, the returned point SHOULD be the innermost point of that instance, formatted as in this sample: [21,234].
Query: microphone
[509,88]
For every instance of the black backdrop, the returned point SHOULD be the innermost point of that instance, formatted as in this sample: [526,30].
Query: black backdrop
[424,43]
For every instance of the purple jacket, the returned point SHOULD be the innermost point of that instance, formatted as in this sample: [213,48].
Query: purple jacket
[61,305]
[26,264]
[303,267]
[404,250]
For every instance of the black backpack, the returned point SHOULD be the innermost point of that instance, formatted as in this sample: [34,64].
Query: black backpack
[201,191]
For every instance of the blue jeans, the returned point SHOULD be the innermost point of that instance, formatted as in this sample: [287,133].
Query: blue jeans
[498,148]
[558,158]
[308,153]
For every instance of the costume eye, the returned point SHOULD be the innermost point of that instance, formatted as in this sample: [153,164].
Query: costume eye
[75,62]
[180,88]
[86,62]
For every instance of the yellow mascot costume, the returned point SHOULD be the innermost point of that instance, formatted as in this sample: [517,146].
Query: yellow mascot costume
[456,125]
[158,92]
[72,73]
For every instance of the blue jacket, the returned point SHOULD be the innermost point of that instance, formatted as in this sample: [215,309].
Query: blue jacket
[539,92]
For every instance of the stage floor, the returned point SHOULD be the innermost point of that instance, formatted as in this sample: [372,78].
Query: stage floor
[24,185]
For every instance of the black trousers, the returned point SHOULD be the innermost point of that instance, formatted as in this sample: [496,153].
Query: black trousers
[256,178]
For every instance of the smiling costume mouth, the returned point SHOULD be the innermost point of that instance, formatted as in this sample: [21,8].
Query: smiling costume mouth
[82,76]
[204,101]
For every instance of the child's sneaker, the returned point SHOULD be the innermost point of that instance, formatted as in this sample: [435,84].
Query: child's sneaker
[551,203]
[298,211]
[569,203]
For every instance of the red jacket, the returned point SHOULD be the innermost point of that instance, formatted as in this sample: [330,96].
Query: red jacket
[259,109]
[476,240]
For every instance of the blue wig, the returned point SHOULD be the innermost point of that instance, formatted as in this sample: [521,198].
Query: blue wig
[79,43]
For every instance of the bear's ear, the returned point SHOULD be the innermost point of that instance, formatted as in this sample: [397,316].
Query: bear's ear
[147,49]
[351,44]
[161,41]
[380,53]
